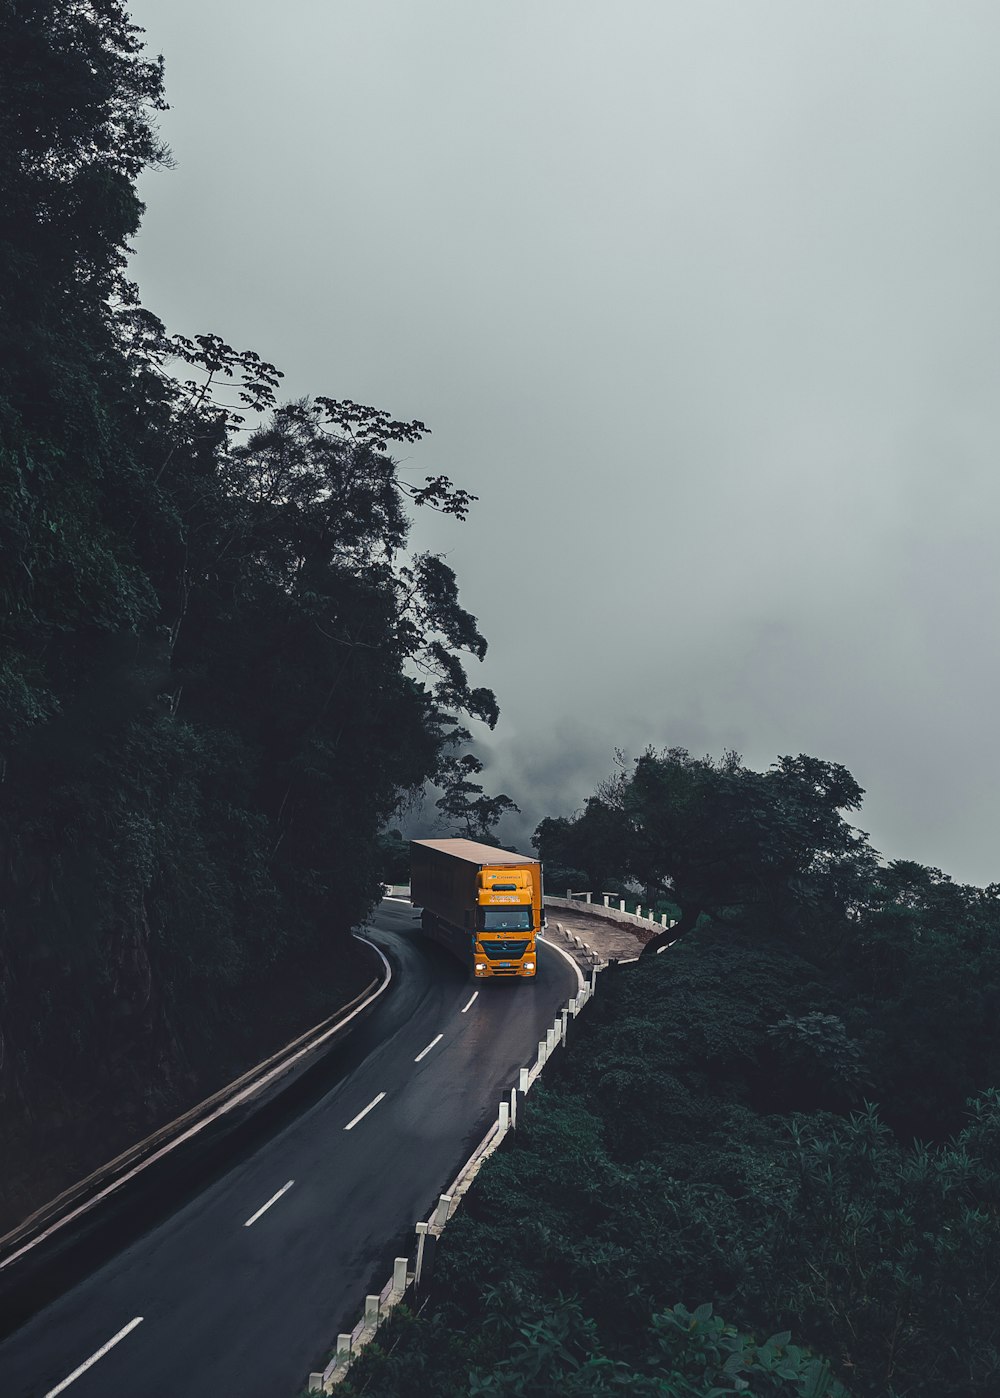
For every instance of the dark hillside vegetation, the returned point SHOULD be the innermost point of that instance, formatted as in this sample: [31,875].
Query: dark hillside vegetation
[790,1119]
[211,631]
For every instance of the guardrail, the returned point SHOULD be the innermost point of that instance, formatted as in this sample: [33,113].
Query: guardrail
[405,1280]
[583,903]
[264,1079]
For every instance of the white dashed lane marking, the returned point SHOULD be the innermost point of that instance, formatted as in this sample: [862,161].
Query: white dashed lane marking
[273,1200]
[373,1103]
[424,1052]
[82,1369]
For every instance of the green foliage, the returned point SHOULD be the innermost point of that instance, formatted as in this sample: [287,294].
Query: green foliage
[704,1355]
[821,1065]
[904,1243]
[922,956]
[560,1350]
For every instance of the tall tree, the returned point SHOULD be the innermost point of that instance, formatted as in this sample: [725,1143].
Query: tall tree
[464,804]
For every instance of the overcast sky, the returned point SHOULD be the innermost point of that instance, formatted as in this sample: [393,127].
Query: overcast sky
[701,299]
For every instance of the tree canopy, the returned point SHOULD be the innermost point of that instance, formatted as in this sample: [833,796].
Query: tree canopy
[721,840]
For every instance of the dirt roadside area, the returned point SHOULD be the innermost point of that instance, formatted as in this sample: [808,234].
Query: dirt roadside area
[605,937]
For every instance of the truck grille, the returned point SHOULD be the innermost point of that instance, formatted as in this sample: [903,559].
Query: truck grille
[504,951]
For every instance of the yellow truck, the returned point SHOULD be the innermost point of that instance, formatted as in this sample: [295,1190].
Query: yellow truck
[483,904]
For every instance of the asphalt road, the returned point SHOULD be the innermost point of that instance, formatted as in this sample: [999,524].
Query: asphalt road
[240,1292]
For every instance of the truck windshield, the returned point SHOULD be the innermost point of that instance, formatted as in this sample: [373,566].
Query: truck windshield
[506,919]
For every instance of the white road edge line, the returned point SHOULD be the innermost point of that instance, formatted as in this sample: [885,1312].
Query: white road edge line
[566,957]
[71,1378]
[469,1006]
[424,1052]
[373,1103]
[273,1200]
[390,899]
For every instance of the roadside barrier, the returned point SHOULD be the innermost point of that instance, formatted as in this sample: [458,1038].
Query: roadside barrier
[406,1281]
[260,1083]
[610,907]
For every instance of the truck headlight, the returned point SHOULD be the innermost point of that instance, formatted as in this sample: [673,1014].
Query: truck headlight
[480,968]
[528,965]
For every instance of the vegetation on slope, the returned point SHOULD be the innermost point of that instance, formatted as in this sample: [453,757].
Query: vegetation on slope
[210,632]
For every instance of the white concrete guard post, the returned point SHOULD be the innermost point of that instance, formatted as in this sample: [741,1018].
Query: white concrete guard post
[317,1382]
[504,1117]
[550,1041]
[522,1079]
[621,905]
[371,1311]
[441,1212]
[513,1108]
[542,1052]
[564,1015]
[399,1265]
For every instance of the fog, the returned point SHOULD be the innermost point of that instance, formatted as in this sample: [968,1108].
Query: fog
[700,299]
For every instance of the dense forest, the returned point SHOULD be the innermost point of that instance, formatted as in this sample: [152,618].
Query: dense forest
[768,1160]
[221,669]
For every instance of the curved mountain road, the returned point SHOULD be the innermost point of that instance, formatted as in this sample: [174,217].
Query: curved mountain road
[239,1292]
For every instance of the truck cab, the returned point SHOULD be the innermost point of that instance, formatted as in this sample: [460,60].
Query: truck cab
[506,923]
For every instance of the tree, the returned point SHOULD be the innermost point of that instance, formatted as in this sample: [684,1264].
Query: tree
[472,814]
[593,845]
[720,839]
